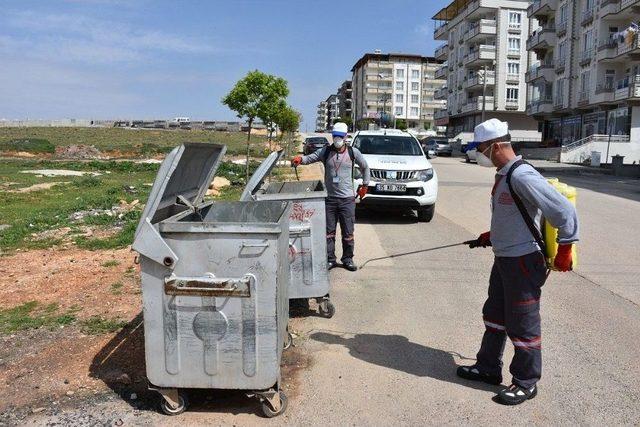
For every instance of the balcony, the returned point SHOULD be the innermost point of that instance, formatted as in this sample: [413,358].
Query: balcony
[540,71]
[479,8]
[441,33]
[441,93]
[442,52]
[587,17]
[586,56]
[514,27]
[484,53]
[542,8]
[475,104]
[608,7]
[561,29]
[481,30]
[606,49]
[442,72]
[511,104]
[542,38]
[477,80]
[540,106]
[605,92]
[628,89]
[513,78]
[619,52]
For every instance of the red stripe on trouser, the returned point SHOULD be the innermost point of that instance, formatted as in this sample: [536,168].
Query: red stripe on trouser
[527,343]
[530,301]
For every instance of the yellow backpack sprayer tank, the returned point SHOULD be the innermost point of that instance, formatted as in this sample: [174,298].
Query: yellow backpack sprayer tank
[550,233]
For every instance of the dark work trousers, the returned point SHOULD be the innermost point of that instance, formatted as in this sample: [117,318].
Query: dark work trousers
[513,309]
[343,210]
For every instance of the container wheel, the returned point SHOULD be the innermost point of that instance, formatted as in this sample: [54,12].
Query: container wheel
[288,341]
[327,309]
[467,159]
[182,405]
[268,410]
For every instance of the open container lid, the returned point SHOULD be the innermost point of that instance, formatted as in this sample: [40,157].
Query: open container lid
[258,177]
[187,171]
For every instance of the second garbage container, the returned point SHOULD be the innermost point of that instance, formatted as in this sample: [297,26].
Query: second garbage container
[307,231]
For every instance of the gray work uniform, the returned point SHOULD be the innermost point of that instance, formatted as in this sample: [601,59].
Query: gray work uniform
[340,204]
[519,271]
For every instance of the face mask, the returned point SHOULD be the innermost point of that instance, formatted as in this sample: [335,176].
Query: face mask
[483,160]
[338,142]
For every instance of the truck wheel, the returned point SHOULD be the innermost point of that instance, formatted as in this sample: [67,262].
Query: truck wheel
[425,213]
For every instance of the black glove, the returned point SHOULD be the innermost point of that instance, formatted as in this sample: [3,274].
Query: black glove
[484,240]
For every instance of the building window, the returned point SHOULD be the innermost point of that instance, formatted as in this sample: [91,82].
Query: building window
[513,68]
[563,13]
[562,47]
[414,111]
[514,44]
[399,97]
[415,74]
[398,111]
[400,73]
[415,99]
[512,94]
[415,86]
[399,85]
[515,19]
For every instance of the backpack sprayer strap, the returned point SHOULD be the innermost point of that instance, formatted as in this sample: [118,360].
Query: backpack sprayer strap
[523,211]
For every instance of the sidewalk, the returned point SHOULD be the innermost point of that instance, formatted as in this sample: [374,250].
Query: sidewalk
[545,166]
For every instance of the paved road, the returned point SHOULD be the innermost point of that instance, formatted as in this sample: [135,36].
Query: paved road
[402,325]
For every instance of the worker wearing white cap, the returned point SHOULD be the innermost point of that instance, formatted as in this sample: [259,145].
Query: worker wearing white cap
[340,206]
[520,196]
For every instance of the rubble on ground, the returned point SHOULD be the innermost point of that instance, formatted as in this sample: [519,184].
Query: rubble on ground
[117,211]
[50,173]
[78,152]
[218,183]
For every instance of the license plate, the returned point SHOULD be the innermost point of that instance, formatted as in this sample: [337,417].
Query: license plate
[391,188]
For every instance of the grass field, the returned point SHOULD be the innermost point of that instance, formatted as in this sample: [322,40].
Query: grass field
[122,141]
[32,217]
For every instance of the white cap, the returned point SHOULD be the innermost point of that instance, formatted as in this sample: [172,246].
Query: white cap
[490,129]
[340,129]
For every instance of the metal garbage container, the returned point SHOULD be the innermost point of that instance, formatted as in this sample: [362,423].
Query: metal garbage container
[307,231]
[215,279]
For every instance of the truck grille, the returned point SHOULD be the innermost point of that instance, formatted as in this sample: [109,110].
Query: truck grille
[390,175]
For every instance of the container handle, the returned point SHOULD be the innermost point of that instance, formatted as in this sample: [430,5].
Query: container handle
[264,244]
[209,285]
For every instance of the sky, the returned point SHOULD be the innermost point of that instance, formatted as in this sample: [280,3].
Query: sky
[108,59]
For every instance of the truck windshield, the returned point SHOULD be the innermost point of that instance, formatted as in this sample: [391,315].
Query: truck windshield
[387,144]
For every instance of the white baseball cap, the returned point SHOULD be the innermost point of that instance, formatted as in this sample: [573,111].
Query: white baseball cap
[340,129]
[490,129]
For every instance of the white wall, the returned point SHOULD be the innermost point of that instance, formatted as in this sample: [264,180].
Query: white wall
[630,151]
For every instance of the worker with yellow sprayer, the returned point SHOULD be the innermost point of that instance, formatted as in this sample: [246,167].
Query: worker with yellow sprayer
[551,233]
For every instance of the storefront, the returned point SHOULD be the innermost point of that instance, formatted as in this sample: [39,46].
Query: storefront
[566,130]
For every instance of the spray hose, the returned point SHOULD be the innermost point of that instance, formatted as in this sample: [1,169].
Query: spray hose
[413,252]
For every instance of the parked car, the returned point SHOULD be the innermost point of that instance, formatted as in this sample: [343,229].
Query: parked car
[430,147]
[470,155]
[444,148]
[314,143]
[401,175]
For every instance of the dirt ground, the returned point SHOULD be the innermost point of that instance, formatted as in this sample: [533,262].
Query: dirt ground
[50,371]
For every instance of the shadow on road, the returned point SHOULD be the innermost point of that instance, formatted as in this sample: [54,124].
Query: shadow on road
[385,216]
[397,352]
[120,364]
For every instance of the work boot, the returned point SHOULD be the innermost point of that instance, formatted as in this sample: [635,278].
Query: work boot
[331,265]
[515,395]
[349,265]
[473,373]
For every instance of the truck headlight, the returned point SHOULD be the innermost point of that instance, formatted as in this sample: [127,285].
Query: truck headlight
[356,173]
[425,175]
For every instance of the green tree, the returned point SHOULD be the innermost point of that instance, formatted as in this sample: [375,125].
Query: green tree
[256,95]
[401,124]
[288,120]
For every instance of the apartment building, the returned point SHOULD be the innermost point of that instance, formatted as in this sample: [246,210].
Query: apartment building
[393,86]
[321,117]
[333,109]
[344,100]
[484,66]
[585,79]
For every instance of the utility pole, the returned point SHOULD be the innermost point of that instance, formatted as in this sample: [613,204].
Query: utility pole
[484,91]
